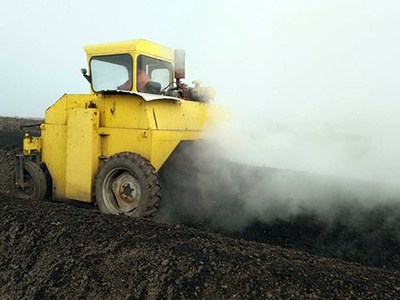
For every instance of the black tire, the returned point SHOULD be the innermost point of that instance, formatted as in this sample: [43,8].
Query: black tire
[128,184]
[49,182]
[35,186]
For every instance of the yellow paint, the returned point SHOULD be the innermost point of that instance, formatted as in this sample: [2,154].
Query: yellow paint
[31,144]
[138,46]
[80,131]
[82,153]
[54,155]
[75,138]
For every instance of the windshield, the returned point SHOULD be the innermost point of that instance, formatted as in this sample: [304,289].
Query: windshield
[153,69]
[111,72]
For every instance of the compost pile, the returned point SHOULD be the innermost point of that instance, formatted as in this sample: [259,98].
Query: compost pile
[57,250]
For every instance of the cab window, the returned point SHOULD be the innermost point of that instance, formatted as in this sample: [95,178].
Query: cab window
[155,70]
[111,72]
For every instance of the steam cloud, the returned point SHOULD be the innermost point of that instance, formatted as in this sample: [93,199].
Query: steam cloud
[203,186]
[314,122]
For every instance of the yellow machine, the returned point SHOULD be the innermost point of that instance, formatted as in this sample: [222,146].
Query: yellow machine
[107,146]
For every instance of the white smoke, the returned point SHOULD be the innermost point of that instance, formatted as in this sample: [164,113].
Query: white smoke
[312,85]
[311,90]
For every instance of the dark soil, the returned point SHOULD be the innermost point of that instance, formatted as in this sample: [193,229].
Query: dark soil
[56,250]
[7,154]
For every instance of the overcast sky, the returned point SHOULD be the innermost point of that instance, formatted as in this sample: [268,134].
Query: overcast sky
[330,65]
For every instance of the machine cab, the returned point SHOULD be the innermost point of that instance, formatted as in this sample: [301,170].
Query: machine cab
[138,66]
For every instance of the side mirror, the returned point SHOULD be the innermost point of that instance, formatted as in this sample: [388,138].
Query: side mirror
[84,73]
[179,58]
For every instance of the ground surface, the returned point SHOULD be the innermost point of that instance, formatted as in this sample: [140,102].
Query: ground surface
[55,250]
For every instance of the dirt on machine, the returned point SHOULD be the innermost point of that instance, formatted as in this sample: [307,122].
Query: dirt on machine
[106,147]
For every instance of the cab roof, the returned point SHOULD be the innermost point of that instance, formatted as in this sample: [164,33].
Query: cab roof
[138,46]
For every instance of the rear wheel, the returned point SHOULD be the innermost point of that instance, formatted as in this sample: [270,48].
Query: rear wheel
[34,185]
[128,184]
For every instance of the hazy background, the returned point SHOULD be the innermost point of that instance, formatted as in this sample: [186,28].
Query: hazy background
[312,85]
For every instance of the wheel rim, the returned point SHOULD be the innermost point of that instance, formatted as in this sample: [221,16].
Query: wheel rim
[121,190]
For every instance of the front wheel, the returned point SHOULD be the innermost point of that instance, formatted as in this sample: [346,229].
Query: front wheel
[34,185]
[128,184]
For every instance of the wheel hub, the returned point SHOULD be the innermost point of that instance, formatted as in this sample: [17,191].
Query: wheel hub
[127,192]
